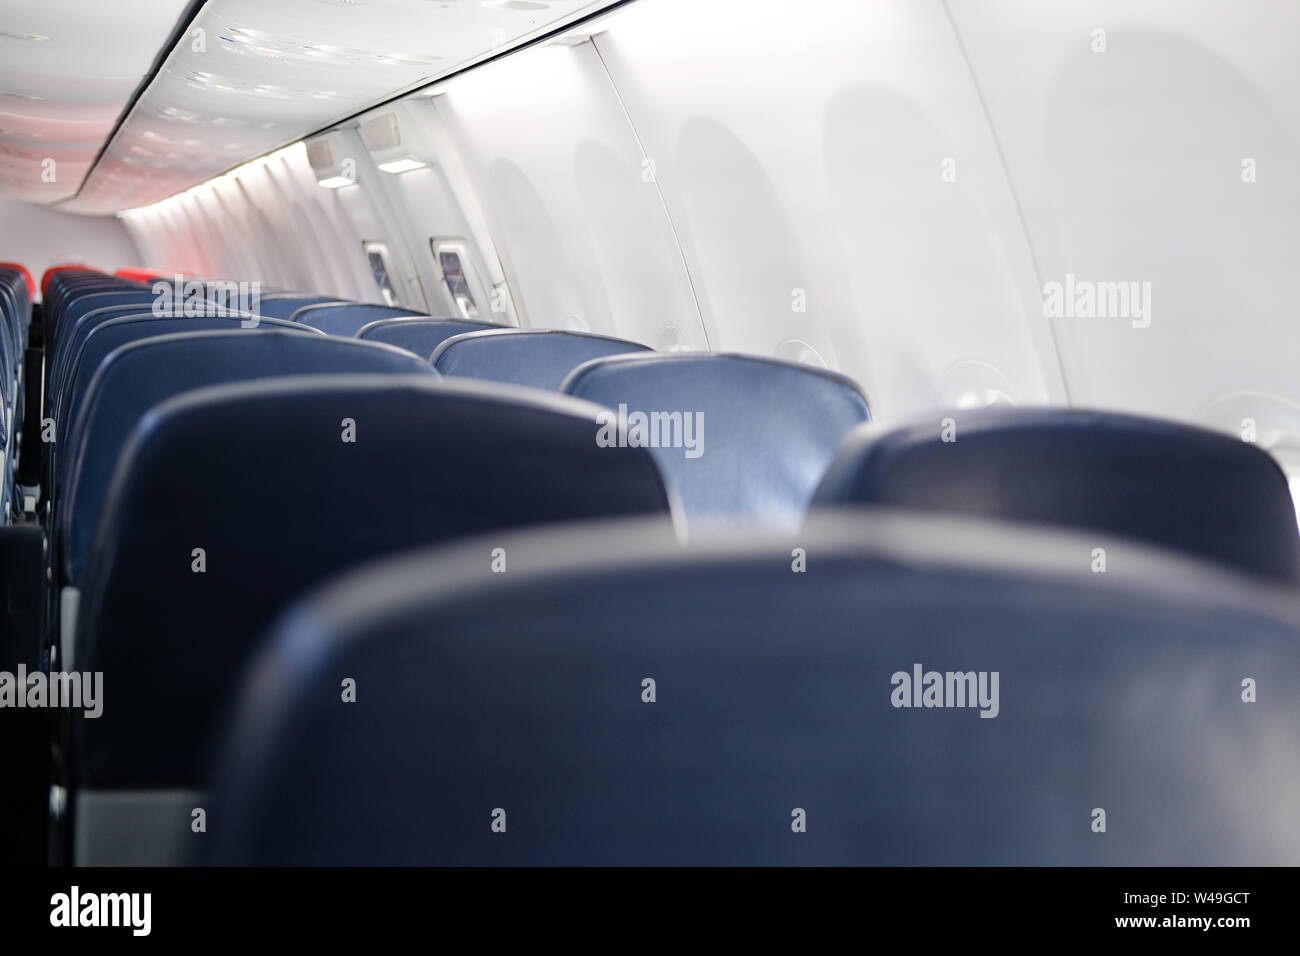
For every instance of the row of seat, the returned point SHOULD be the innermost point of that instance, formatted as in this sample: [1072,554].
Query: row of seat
[15,322]
[1174,485]
[213,469]
[881,688]
[134,412]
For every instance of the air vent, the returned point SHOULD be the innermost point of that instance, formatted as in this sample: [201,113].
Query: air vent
[381,133]
[320,155]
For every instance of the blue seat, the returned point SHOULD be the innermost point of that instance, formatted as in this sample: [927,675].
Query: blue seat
[17,304]
[59,368]
[136,377]
[1172,485]
[421,336]
[114,333]
[429,461]
[64,289]
[282,305]
[765,430]
[346,318]
[80,316]
[540,358]
[77,301]
[521,699]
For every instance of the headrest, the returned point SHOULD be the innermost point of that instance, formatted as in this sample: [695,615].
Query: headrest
[62,351]
[61,290]
[49,275]
[282,305]
[1169,484]
[117,332]
[542,358]
[345,318]
[78,310]
[26,276]
[421,336]
[740,438]
[929,690]
[379,464]
[136,377]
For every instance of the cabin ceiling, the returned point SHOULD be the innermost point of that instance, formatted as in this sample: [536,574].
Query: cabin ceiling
[67,70]
[245,77]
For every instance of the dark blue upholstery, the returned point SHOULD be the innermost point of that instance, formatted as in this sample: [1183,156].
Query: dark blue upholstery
[1158,481]
[421,336]
[282,305]
[64,291]
[135,378]
[431,461]
[114,333]
[79,307]
[774,692]
[541,358]
[82,315]
[769,427]
[55,377]
[17,304]
[347,318]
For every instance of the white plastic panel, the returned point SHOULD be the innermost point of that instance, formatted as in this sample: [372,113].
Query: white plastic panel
[1131,150]
[67,70]
[266,222]
[802,153]
[250,76]
[579,225]
[416,186]
[39,238]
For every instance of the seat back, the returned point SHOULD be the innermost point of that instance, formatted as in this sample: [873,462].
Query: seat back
[282,305]
[421,336]
[136,377]
[28,281]
[79,316]
[114,333]
[740,438]
[931,691]
[347,318]
[379,464]
[1169,484]
[541,358]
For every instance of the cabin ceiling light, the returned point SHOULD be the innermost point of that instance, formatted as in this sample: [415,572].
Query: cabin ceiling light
[403,165]
[335,182]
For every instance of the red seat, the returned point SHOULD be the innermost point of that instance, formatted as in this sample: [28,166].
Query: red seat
[53,270]
[27,276]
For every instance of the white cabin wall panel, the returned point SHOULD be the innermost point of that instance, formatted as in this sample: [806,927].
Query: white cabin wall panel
[341,264]
[801,152]
[421,196]
[372,217]
[193,230]
[581,232]
[227,203]
[148,233]
[1128,164]
[434,132]
[270,223]
[363,226]
[217,251]
[426,204]
[176,240]
[40,237]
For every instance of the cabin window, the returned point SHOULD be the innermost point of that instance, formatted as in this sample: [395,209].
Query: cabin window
[458,274]
[380,268]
